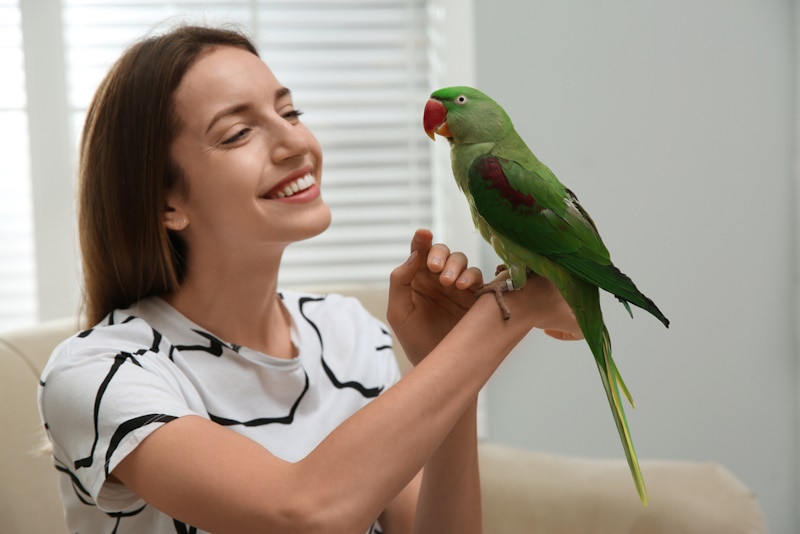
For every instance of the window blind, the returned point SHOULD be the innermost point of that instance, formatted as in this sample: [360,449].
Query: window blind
[18,305]
[359,71]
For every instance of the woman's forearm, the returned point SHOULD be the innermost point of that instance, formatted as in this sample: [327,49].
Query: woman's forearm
[432,414]
[450,497]
[228,483]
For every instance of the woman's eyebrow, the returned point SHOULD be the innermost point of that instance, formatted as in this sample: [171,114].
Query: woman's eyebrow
[282,92]
[244,107]
[235,109]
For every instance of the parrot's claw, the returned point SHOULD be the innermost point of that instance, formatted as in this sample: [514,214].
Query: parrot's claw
[500,268]
[498,286]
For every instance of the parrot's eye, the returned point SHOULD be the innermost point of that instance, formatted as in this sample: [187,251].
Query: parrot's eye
[461,99]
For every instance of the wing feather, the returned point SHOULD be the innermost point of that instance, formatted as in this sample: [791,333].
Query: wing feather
[532,208]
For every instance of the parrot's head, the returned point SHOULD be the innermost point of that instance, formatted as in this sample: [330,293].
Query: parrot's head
[465,115]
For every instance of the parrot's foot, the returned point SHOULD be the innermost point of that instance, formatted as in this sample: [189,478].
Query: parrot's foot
[498,286]
[502,284]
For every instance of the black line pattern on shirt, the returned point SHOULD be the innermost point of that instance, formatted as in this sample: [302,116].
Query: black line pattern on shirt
[214,347]
[120,515]
[183,528]
[126,427]
[261,421]
[80,492]
[388,346]
[108,321]
[129,426]
[119,360]
[84,496]
[127,514]
[361,388]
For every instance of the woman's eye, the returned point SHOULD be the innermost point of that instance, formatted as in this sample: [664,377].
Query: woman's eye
[237,136]
[292,115]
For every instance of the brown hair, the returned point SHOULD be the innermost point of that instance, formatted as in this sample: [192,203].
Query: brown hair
[125,170]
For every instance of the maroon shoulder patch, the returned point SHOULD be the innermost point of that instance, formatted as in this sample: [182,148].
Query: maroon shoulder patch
[491,170]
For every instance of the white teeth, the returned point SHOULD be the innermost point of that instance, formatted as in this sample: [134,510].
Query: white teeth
[301,184]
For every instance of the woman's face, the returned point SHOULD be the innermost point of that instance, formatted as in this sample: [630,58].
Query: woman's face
[252,169]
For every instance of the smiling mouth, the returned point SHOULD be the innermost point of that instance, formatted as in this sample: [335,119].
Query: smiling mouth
[293,187]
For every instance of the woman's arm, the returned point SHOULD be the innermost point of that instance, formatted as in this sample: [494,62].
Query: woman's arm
[220,481]
[215,479]
[450,497]
[430,294]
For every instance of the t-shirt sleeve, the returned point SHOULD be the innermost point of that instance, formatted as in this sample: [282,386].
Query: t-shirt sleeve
[102,393]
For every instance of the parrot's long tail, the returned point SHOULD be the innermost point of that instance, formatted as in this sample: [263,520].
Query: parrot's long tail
[590,319]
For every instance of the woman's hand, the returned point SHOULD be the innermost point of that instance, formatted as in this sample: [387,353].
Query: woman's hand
[434,288]
[429,294]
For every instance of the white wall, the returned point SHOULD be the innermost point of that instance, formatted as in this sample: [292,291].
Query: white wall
[674,124]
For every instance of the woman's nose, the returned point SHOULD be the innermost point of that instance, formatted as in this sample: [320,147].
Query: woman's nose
[291,140]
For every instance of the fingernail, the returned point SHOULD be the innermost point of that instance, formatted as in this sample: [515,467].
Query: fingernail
[448,274]
[437,261]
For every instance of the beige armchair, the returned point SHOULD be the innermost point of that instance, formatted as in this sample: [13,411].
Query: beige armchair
[524,492]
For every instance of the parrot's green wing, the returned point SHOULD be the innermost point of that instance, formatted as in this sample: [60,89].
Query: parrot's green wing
[526,203]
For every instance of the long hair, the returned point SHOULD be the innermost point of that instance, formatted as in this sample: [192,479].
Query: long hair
[126,171]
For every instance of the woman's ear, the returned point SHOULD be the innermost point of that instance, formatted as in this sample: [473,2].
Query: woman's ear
[176,222]
[174,216]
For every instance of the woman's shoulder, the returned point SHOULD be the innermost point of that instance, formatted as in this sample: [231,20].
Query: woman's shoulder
[121,332]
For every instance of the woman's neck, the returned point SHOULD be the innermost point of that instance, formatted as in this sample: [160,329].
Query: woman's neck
[240,308]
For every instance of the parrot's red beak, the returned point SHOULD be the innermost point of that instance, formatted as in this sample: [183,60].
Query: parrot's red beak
[434,119]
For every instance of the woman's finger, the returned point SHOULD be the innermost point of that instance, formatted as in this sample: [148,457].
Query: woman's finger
[454,266]
[437,257]
[422,242]
[401,303]
[563,336]
[471,277]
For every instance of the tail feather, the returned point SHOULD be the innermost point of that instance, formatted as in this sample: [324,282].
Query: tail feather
[627,306]
[583,298]
[590,320]
[621,383]
[612,382]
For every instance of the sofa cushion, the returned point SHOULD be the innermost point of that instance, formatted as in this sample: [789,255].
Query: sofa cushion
[551,493]
[29,500]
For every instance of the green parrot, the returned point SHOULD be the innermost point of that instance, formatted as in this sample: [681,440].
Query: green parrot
[535,223]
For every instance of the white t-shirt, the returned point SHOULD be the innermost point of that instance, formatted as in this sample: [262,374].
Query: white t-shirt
[106,389]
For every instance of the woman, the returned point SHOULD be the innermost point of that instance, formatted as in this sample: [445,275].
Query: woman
[205,399]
